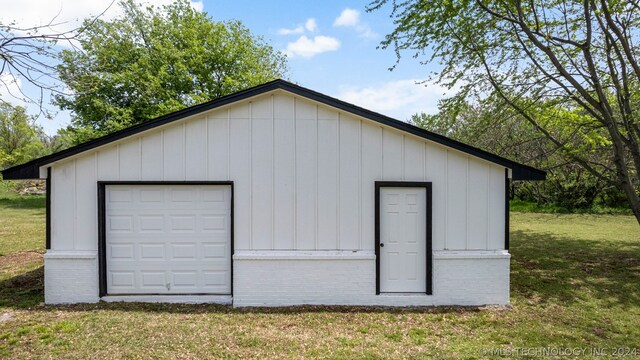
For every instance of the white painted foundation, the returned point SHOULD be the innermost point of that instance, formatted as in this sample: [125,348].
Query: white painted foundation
[285,278]
[70,277]
[348,278]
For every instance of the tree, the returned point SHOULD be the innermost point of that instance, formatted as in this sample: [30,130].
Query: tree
[493,126]
[19,137]
[152,61]
[26,55]
[543,58]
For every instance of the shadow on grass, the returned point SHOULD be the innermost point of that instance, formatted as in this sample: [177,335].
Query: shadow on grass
[23,291]
[23,202]
[547,268]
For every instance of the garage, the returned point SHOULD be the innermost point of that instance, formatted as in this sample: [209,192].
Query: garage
[166,238]
[275,196]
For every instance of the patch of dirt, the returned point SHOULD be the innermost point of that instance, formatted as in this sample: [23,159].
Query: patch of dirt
[19,258]
[5,317]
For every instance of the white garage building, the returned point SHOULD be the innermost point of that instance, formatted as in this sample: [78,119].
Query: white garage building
[277,195]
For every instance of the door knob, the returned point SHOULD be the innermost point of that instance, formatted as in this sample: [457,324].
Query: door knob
[381,245]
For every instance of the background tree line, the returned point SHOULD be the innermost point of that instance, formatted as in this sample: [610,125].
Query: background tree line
[494,126]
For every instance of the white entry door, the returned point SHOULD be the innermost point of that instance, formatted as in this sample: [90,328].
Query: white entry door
[403,244]
[168,239]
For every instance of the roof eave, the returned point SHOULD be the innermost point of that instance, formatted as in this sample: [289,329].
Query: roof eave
[30,170]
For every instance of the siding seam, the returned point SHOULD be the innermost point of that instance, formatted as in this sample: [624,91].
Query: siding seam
[162,154]
[316,182]
[228,160]
[273,173]
[446,198]
[118,158]
[467,203]
[295,177]
[75,204]
[402,158]
[339,187]
[381,153]
[486,243]
[140,157]
[206,147]
[361,189]
[251,244]
[424,161]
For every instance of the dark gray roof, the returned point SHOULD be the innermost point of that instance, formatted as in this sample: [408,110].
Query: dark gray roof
[30,170]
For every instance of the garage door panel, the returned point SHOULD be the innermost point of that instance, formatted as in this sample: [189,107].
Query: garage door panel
[152,251]
[168,239]
[152,223]
[121,251]
[122,279]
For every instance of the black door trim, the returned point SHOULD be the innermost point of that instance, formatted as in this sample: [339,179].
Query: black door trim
[48,184]
[427,186]
[102,240]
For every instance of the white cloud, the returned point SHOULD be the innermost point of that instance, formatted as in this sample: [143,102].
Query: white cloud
[197,5]
[306,47]
[296,30]
[66,14]
[348,17]
[10,90]
[399,99]
[351,18]
[309,25]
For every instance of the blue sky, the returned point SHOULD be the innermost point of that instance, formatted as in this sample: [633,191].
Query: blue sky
[331,46]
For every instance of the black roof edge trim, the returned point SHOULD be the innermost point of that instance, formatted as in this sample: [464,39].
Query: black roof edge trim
[30,170]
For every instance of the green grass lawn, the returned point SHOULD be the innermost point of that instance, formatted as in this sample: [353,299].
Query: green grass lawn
[575,283]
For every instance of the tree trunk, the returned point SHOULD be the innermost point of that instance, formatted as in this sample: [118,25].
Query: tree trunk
[622,173]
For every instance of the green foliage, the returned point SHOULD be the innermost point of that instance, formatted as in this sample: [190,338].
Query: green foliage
[493,126]
[156,60]
[20,139]
[569,69]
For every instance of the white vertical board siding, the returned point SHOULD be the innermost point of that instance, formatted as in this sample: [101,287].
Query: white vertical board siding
[240,172]
[218,145]
[436,173]
[303,177]
[392,161]
[151,157]
[63,206]
[195,134]
[284,164]
[306,177]
[86,206]
[262,173]
[108,168]
[129,158]
[413,162]
[173,153]
[456,202]
[478,206]
[371,169]
[496,221]
[327,189]
[349,209]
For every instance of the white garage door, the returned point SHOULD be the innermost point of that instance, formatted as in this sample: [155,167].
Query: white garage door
[168,239]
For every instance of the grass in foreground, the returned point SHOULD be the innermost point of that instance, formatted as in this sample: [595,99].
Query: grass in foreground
[575,283]
[22,222]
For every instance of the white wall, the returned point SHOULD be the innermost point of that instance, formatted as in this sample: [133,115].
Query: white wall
[304,177]
[276,279]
